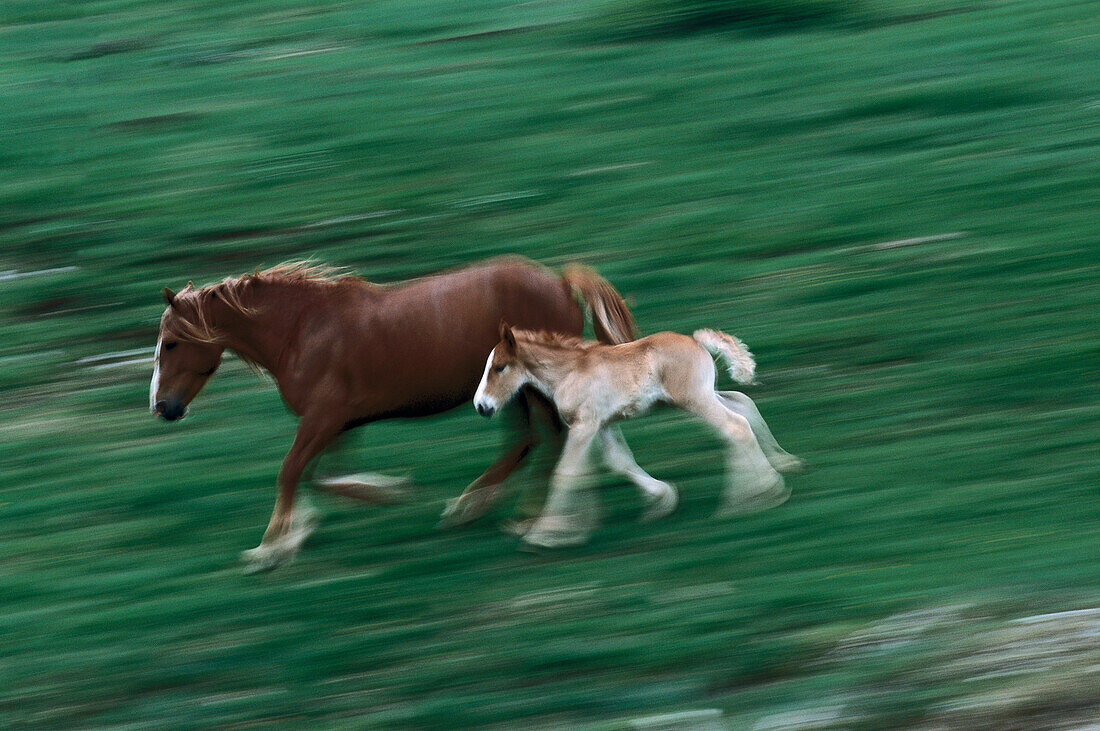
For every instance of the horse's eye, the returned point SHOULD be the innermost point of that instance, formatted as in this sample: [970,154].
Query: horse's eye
[169,346]
[500,368]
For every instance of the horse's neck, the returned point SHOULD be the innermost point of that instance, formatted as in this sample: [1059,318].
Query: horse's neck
[269,329]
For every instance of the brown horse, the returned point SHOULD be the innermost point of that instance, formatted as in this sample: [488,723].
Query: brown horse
[345,352]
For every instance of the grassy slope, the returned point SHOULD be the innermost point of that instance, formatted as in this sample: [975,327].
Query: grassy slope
[944,391]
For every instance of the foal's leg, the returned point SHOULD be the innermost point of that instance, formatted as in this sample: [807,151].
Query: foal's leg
[550,437]
[758,486]
[484,492]
[660,497]
[288,528]
[571,512]
[780,459]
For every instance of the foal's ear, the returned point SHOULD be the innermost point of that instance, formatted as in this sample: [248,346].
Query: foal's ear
[506,334]
[169,297]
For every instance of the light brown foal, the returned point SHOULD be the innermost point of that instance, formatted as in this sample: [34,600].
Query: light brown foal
[593,385]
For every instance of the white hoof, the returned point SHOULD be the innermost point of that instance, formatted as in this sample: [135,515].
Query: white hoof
[273,553]
[468,507]
[661,505]
[451,517]
[743,503]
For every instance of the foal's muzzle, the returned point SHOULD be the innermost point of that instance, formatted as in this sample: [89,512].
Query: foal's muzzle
[484,410]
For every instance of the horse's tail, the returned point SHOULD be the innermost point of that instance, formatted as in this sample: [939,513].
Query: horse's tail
[611,320]
[738,359]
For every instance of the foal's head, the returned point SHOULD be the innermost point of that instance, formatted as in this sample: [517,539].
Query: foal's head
[186,356]
[505,374]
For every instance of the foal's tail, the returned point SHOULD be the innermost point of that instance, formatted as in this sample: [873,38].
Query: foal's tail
[611,320]
[738,359]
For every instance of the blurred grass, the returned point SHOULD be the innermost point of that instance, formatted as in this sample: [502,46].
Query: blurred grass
[655,18]
[897,215]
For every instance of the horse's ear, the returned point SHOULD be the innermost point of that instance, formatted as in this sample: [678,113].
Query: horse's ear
[507,335]
[169,297]
[189,285]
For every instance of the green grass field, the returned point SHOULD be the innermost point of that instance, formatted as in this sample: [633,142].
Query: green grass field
[893,204]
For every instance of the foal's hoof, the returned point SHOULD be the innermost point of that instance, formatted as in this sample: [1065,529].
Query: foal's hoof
[662,505]
[554,533]
[755,502]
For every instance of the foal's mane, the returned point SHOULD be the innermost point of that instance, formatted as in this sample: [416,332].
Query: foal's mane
[554,341]
[230,291]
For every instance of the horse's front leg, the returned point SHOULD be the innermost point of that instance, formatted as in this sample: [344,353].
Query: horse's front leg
[288,529]
[571,510]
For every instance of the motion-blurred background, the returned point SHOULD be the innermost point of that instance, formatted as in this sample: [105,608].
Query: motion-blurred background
[892,202]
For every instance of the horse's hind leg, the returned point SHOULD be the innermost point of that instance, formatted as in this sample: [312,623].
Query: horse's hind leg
[484,492]
[660,497]
[741,404]
[368,487]
[753,484]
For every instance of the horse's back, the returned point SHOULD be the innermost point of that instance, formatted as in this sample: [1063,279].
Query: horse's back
[419,347]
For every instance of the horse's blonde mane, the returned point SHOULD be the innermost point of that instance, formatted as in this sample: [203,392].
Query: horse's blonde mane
[195,326]
[302,270]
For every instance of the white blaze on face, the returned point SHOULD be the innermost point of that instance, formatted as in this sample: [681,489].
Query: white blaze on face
[154,384]
[480,399]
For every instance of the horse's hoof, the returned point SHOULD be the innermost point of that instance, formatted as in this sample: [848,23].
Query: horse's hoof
[452,515]
[661,506]
[755,502]
[466,508]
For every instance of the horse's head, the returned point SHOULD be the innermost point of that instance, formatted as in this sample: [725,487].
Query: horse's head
[505,374]
[186,355]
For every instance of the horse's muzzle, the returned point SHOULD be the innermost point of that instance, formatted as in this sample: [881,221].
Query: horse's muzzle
[484,410]
[169,410]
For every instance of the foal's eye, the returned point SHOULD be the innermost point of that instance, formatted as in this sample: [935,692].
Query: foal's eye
[500,368]
[169,346]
